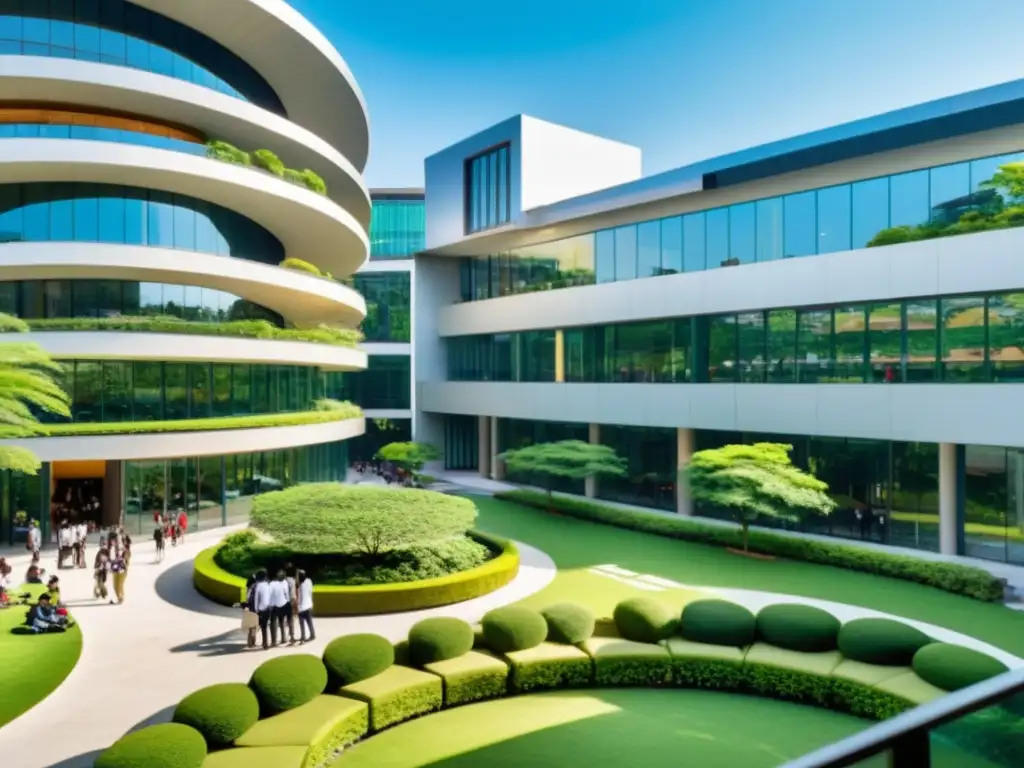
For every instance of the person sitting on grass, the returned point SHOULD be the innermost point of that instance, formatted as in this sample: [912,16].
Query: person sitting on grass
[53,587]
[34,574]
[42,617]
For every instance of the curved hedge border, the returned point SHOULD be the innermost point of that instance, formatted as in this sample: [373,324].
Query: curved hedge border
[225,588]
[950,577]
[344,712]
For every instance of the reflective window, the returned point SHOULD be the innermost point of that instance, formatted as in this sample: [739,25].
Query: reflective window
[781,345]
[648,248]
[920,340]
[769,229]
[671,245]
[870,210]
[625,252]
[909,199]
[519,433]
[385,384]
[885,340]
[694,242]
[717,238]
[834,210]
[949,192]
[397,228]
[488,190]
[814,354]
[800,224]
[742,234]
[604,251]
[963,338]
[721,346]
[108,213]
[388,305]
[95,133]
[751,333]
[123,34]
[1006,336]
[850,338]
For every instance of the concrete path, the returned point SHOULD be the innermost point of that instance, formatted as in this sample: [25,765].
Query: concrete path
[139,659]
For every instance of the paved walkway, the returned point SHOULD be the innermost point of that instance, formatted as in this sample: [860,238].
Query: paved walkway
[141,658]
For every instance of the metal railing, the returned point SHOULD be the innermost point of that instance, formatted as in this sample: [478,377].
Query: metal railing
[912,739]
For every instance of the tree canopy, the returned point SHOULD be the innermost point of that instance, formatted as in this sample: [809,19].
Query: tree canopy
[409,456]
[756,481]
[573,459]
[27,385]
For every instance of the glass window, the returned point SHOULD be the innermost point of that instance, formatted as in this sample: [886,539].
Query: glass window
[751,332]
[117,391]
[963,338]
[88,388]
[199,390]
[909,199]
[604,251]
[682,361]
[870,210]
[801,224]
[693,242]
[147,391]
[921,340]
[672,245]
[769,229]
[648,245]
[814,353]
[722,348]
[949,189]
[625,252]
[175,391]
[850,340]
[241,392]
[742,234]
[987,488]
[717,238]
[781,345]
[488,193]
[650,455]
[1006,336]
[885,348]
[833,211]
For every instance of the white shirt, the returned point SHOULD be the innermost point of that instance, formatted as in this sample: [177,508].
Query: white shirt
[306,595]
[261,597]
[34,537]
[65,537]
[83,532]
[279,596]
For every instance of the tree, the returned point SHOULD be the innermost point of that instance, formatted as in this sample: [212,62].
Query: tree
[408,456]
[27,386]
[755,481]
[573,459]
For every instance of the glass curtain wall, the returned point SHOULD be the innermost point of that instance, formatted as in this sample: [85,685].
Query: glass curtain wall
[379,432]
[959,198]
[650,455]
[388,305]
[994,503]
[519,433]
[488,189]
[398,227]
[384,385]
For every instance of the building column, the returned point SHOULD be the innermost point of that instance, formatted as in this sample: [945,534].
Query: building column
[559,356]
[590,484]
[948,518]
[684,450]
[484,445]
[497,465]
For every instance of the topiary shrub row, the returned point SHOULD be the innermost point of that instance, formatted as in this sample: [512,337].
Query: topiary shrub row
[869,667]
[949,577]
[267,161]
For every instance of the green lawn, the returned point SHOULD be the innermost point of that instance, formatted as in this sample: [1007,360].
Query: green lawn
[32,666]
[576,546]
[624,727]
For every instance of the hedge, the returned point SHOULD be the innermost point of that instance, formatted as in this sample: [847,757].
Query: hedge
[394,693]
[569,623]
[644,620]
[288,682]
[244,329]
[221,713]
[513,628]
[950,577]
[439,638]
[798,627]
[718,622]
[881,641]
[222,587]
[266,161]
[337,412]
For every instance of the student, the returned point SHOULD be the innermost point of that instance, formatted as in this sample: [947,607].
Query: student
[119,572]
[35,539]
[42,617]
[158,537]
[291,572]
[65,543]
[281,608]
[305,589]
[83,540]
[182,525]
[100,568]
[250,619]
[261,605]
[34,574]
[53,587]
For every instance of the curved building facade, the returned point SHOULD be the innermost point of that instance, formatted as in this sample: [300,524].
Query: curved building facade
[854,292]
[181,203]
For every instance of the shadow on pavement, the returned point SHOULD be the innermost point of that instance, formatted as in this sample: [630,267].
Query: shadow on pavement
[224,644]
[174,586]
[84,760]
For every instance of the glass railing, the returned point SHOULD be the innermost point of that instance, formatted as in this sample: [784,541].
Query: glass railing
[978,727]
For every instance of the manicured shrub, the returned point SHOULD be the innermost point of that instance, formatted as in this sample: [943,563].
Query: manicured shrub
[798,627]
[644,620]
[513,628]
[313,181]
[549,665]
[221,713]
[288,682]
[718,622]
[881,641]
[950,577]
[353,658]
[569,623]
[227,153]
[952,667]
[332,518]
[268,161]
[11,324]
[168,745]
[439,639]
[300,265]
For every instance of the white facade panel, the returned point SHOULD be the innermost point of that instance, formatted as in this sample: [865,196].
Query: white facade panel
[559,163]
[986,261]
[980,414]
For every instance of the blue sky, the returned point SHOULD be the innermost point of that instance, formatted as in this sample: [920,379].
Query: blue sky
[682,79]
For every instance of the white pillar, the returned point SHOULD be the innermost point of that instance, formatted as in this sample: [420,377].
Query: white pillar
[684,450]
[590,484]
[483,447]
[497,465]
[947,499]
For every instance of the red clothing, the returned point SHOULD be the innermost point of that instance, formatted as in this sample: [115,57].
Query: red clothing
[183,521]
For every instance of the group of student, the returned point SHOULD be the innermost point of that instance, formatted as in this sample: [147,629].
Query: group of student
[167,527]
[273,605]
[48,614]
[71,542]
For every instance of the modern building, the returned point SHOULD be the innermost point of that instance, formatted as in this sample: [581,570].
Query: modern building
[165,165]
[856,292]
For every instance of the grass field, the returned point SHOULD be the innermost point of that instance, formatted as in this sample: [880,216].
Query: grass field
[577,546]
[32,666]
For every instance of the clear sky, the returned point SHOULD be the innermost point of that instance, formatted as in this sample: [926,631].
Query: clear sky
[683,80]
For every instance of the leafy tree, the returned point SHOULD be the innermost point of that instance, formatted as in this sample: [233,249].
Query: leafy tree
[409,456]
[1009,177]
[27,385]
[573,459]
[755,481]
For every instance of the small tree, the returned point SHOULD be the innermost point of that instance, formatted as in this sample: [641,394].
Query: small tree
[756,481]
[573,459]
[408,456]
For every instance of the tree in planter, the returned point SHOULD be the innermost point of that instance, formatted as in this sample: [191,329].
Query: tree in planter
[27,386]
[572,459]
[755,481]
[409,456]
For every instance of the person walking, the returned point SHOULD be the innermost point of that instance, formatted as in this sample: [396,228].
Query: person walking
[261,605]
[100,568]
[35,539]
[305,591]
[119,573]
[280,607]
[158,537]
[65,543]
[83,540]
